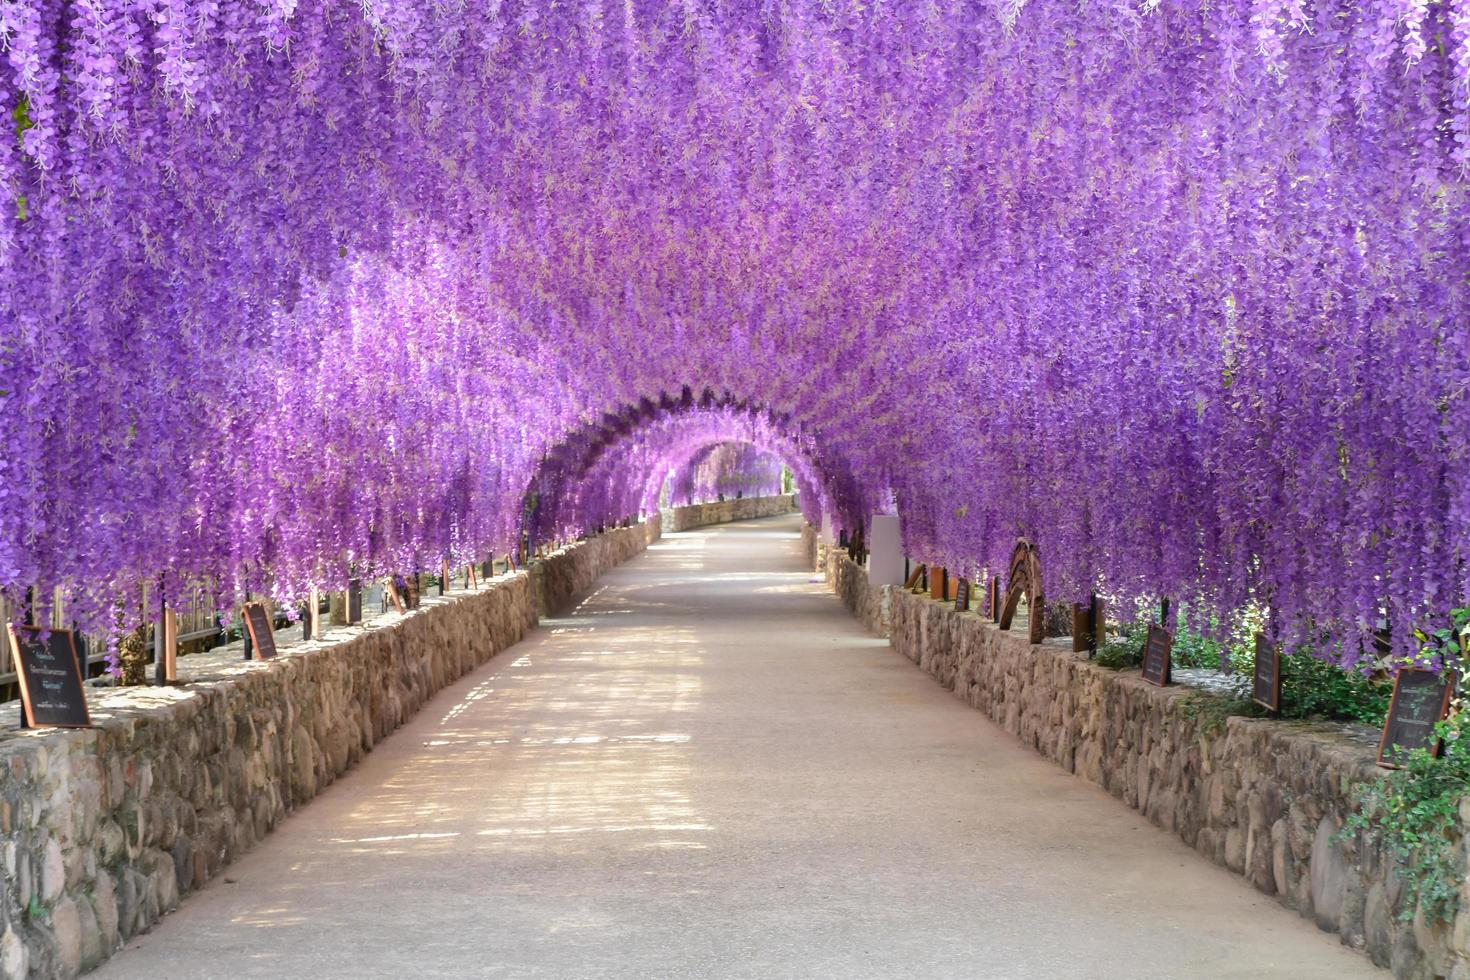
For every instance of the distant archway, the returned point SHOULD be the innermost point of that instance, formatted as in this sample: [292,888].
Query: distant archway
[600,474]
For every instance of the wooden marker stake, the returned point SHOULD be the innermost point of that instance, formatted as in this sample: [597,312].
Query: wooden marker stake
[392,590]
[1081,627]
[245,640]
[354,601]
[166,648]
[316,614]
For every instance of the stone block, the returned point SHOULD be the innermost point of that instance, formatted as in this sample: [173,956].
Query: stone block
[53,871]
[1281,859]
[66,932]
[1405,958]
[104,903]
[1235,849]
[1378,924]
[92,950]
[1329,875]
[14,958]
[1433,940]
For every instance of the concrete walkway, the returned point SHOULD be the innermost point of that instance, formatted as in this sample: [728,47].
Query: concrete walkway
[708,770]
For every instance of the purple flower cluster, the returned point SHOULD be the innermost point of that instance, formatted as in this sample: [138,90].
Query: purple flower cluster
[725,469]
[292,292]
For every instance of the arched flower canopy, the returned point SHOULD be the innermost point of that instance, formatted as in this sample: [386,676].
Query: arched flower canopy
[1175,290]
[721,469]
[613,469]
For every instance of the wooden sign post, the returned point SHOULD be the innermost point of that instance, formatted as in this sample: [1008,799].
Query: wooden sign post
[962,596]
[1157,655]
[50,676]
[354,601]
[1420,700]
[938,583]
[258,625]
[392,589]
[1266,681]
[166,648]
[1025,581]
[1084,630]
[993,598]
[313,626]
[1087,626]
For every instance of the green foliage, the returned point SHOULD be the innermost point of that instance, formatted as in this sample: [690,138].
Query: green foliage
[1416,809]
[1124,648]
[1311,688]
[1193,649]
[1316,689]
[21,116]
[1209,711]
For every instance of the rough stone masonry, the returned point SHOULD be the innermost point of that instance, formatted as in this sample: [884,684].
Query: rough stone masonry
[725,511]
[1264,798]
[103,830]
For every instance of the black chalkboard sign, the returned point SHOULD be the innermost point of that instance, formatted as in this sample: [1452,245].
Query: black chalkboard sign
[1420,700]
[258,622]
[50,675]
[962,596]
[995,598]
[1266,684]
[1156,655]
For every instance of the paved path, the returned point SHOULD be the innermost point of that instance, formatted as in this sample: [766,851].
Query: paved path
[708,770]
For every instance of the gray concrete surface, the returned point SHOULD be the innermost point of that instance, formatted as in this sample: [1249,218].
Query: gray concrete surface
[707,770]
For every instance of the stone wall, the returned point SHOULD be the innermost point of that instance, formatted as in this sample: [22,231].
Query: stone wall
[812,548]
[572,570]
[871,604]
[1263,798]
[725,511]
[103,830]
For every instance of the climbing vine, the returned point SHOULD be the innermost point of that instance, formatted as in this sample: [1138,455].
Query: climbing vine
[1416,809]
